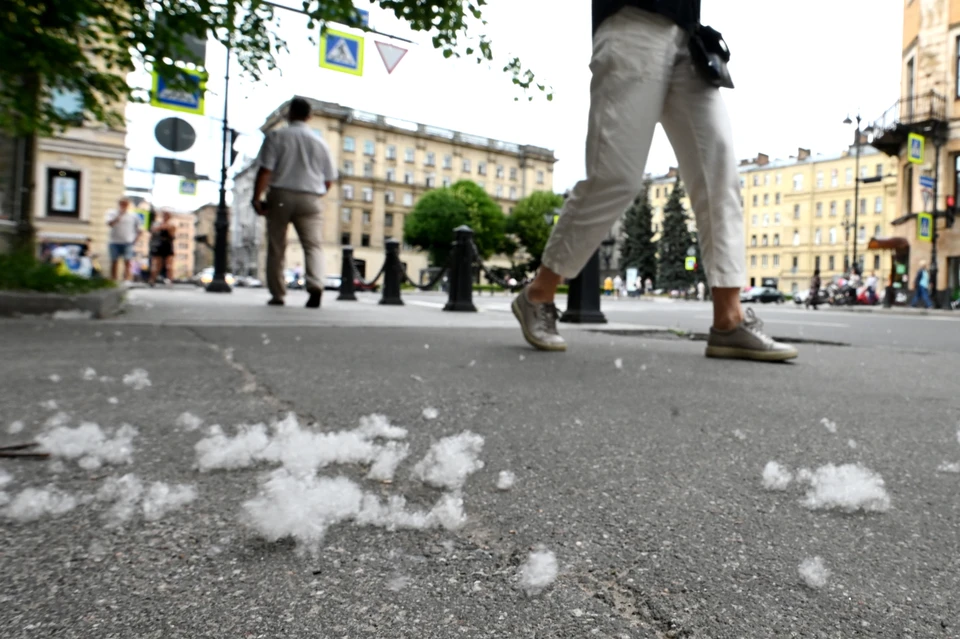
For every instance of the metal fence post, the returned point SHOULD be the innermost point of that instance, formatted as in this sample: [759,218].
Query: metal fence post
[583,298]
[461,272]
[347,289]
[392,275]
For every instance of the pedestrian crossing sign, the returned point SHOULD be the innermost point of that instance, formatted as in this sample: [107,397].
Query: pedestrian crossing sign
[690,263]
[915,148]
[342,52]
[924,227]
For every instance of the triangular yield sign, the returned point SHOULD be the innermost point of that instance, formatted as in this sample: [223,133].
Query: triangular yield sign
[391,55]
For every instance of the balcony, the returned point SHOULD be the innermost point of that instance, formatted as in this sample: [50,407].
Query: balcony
[925,114]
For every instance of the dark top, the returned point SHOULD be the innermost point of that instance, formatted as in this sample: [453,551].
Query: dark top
[685,13]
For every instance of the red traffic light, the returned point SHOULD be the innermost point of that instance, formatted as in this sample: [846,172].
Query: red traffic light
[951,201]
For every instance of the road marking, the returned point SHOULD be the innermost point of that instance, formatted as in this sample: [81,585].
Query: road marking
[424,304]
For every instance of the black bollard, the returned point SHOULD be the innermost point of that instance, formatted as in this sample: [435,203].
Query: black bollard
[461,272]
[347,288]
[392,274]
[583,299]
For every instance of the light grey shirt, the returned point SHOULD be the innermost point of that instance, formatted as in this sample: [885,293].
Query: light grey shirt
[299,159]
[126,229]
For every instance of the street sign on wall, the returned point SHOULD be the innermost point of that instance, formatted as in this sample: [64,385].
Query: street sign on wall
[185,101]
[342,52]
[927,181]
[915,143]
[924,227]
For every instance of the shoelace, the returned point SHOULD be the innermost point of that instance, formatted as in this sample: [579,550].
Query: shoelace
[755,325]
[547,317]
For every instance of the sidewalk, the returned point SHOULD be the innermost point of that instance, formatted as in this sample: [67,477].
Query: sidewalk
[638,464]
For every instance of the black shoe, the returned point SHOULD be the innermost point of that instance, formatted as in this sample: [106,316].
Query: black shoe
[275,302]
[314,301]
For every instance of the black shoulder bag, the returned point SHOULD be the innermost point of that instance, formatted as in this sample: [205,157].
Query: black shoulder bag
[710,55]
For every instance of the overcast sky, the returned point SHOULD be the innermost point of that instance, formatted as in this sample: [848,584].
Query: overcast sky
[799,69]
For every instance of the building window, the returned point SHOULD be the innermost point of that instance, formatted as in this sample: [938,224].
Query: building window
[365,239]
[776,260]
[513,192]
[796,263]
[348,191]
[817,237]
[878,205]
[345,238]
[345,214]
[408,199]
[369,148]
[833,209]
[408,177]
[499,171]
[658,192]
[816,263]
[446,181]
[391,174]
[430,160]
[755,200]
[753,219]
[481,168]
[862,234]
[388,219]
[776,218]
[482,185]
[766,199]
[876,261]
[877,231]
[834,174]
[776,199]
[776,239]
[498,190]
[863,205]
[753,240]
[368,194]
[778,180]
[348,167]
[819,209]
[846,207]
[409,154]
[430,180]
[389,197]
[819,179]
[368,169]
[763,261]
[798,182]
[513,173]
[833,235]
[63,193]
[766,179]
[753,260]
[830,263]
[756,180]
[849,176]
[796,238]
[764,241]
[864,170]
[540,177]
[366,218]
[766,219]
[796,211]
[349,144]
[392,152]
[448,161]
[466,166]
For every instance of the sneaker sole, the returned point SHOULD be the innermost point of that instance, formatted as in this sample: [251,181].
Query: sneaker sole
[731,352]
[556,348]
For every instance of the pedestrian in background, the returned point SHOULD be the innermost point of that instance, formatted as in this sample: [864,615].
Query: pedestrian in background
[815,289]
[921,287]
[125,229]
[650,64]
[296,165]
[161,248]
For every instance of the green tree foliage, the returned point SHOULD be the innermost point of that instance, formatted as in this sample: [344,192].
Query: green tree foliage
[431,223]
[637,248]
[89,46]
[675,240]
[529,225]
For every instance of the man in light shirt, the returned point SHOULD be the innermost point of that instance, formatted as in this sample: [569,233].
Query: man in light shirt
[296,164]
[124,230]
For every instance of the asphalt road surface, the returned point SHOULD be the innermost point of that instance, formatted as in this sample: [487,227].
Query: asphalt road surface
[638,463]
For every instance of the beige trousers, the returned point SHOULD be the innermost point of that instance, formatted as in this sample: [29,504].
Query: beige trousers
[642,74]
[305,211]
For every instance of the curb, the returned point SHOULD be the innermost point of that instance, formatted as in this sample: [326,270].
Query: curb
[99,304]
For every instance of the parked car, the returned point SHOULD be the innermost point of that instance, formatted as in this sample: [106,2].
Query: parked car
[249,281]
[293,280]
[332,283]
[205,276]
[803,297]
[762,294]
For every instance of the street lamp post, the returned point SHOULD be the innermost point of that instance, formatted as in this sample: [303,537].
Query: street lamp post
[219,282]
[856,191]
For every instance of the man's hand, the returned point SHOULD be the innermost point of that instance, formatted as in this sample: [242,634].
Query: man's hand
[259,207]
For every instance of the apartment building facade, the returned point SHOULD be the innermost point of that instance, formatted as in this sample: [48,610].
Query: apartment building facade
[385,165]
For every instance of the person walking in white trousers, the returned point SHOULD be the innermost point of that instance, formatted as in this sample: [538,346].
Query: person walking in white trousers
[643,74]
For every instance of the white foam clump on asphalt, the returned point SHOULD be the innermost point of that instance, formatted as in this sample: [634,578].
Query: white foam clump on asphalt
[739,434]
[852,444]
[90,445]
[430,412]
[5,478]
[776,477]
[304,506]
[162,499]
[15,427]
[813,572]
[299,449]
[188,422]
[450,461]
[157,501]
[387,460]
[849,487]
[829,425]
[505,480]
[55,378]
[138,379]
[949,467]
[618,363]
[33,503]
[89,374]
[538,572]
[49,404]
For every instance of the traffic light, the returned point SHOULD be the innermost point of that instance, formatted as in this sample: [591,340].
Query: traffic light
[951,210]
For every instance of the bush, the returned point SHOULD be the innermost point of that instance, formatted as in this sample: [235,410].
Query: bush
[23,272]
